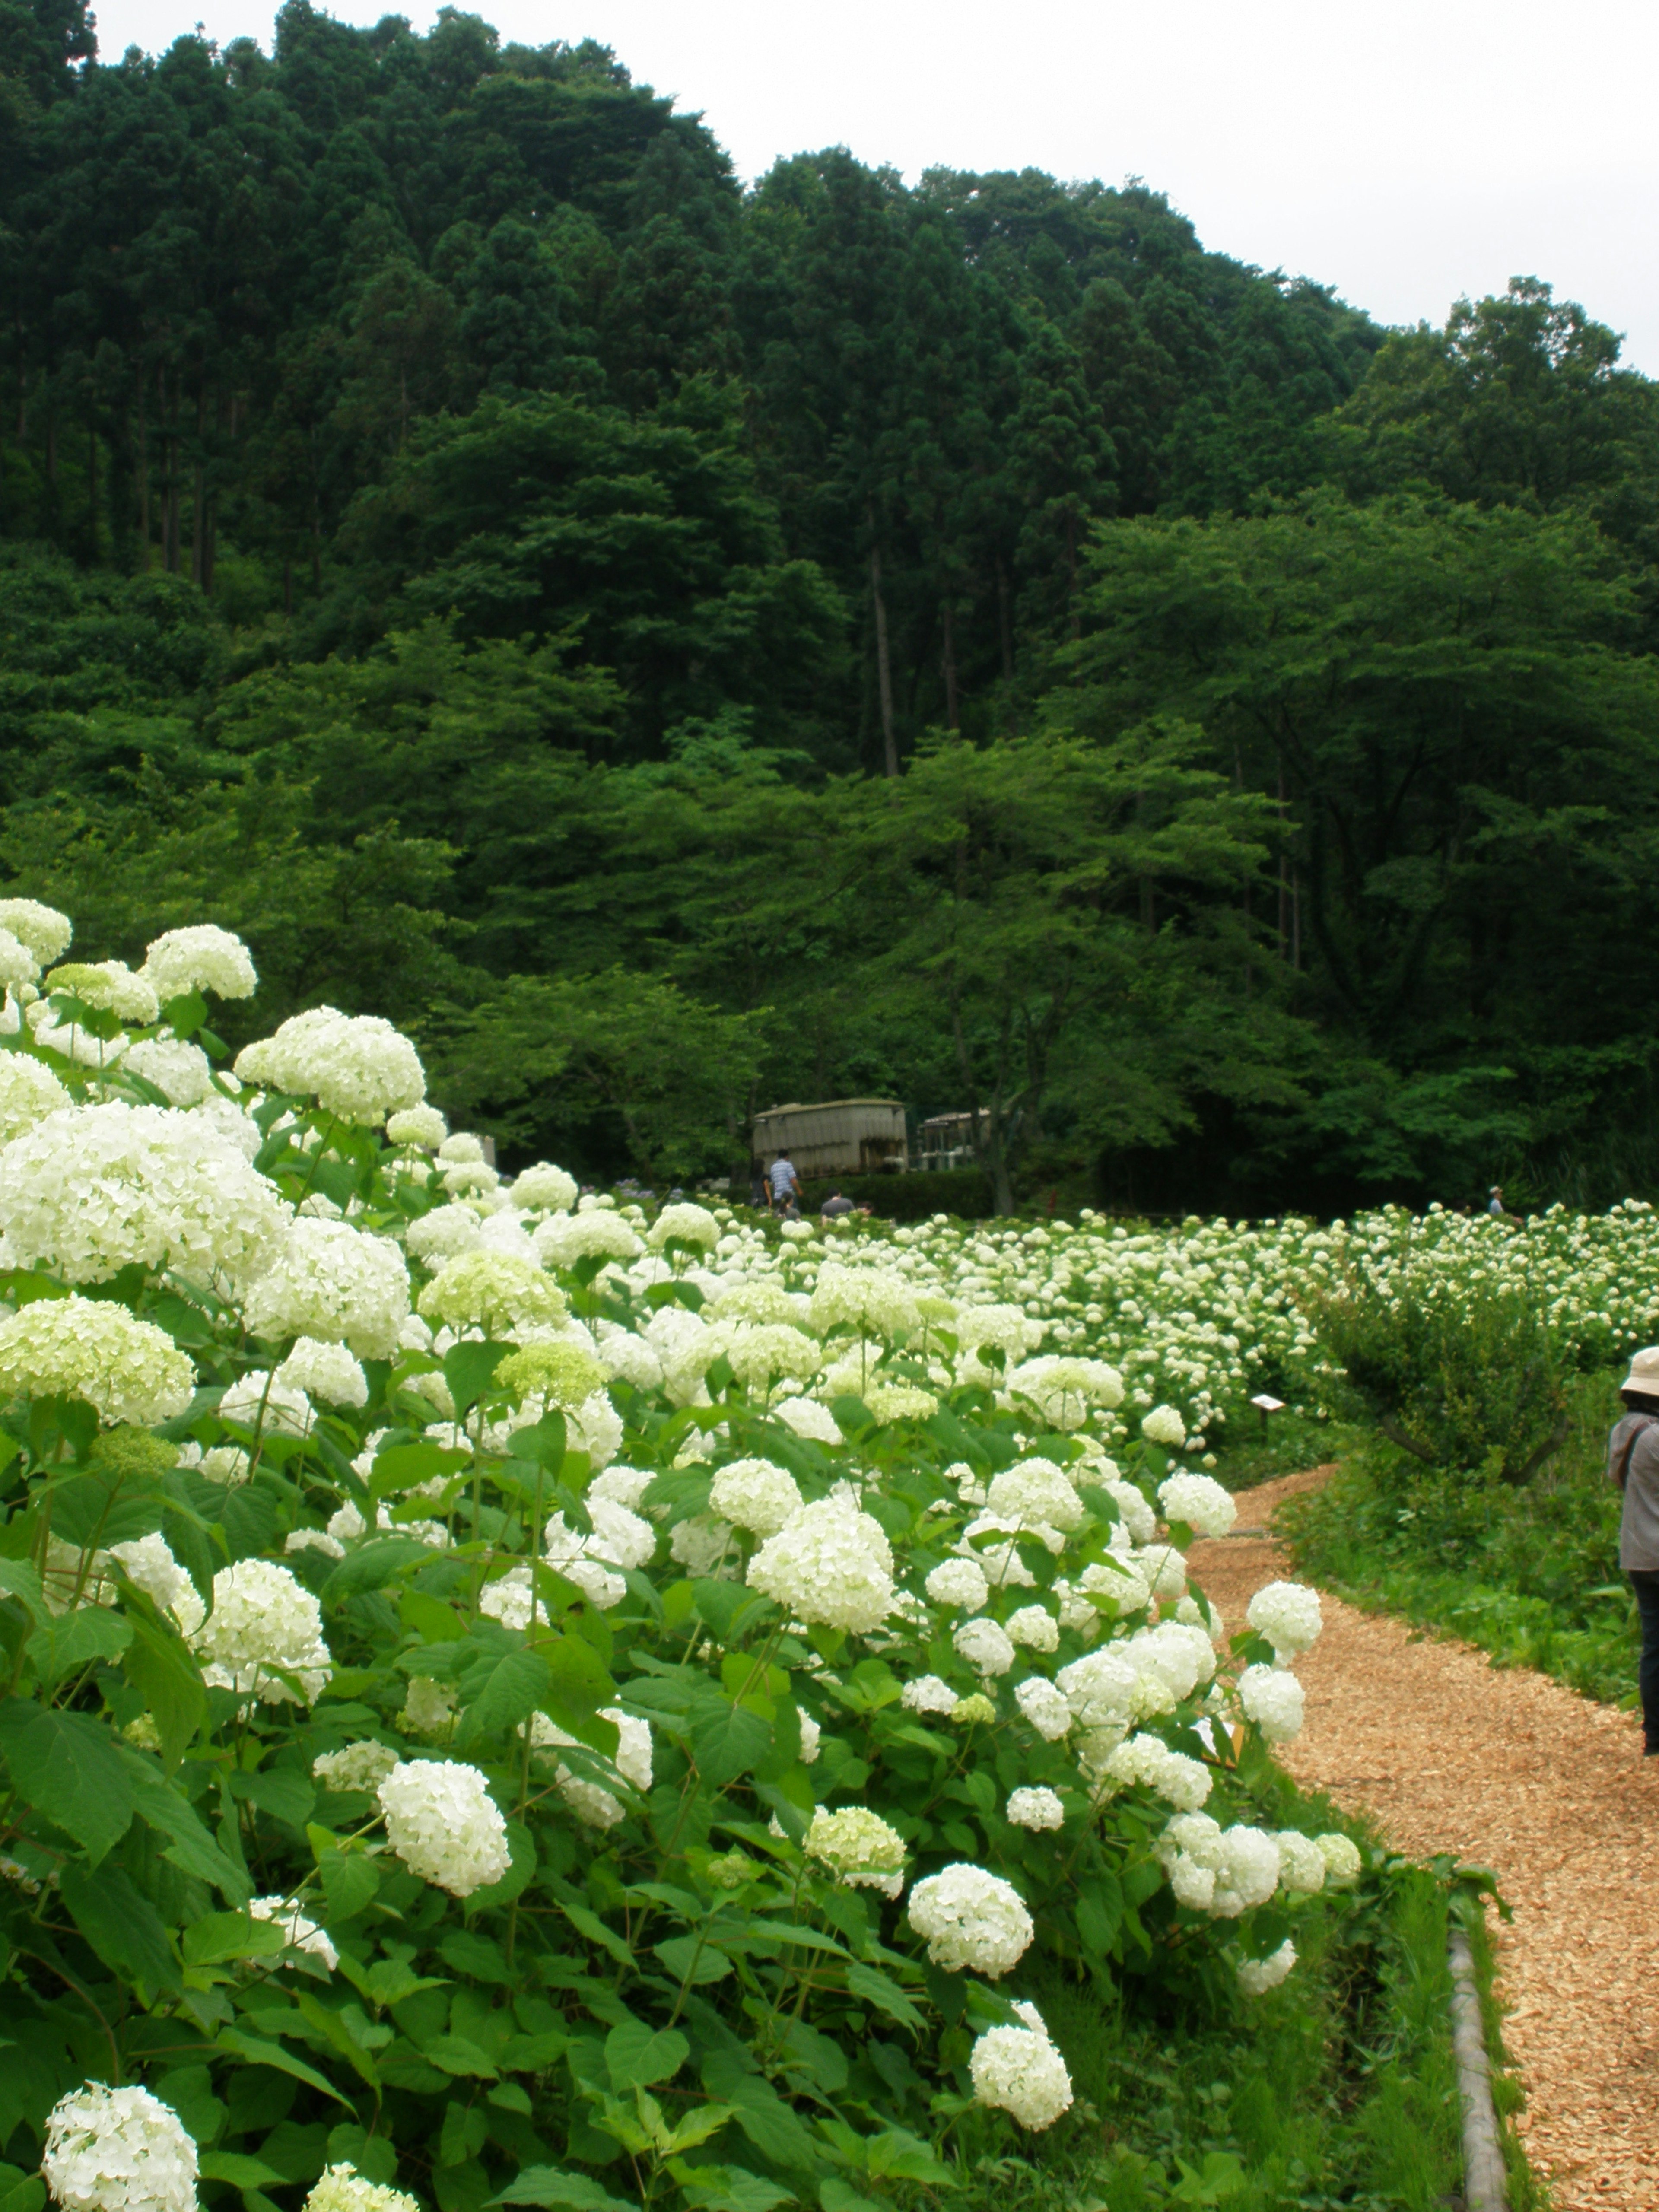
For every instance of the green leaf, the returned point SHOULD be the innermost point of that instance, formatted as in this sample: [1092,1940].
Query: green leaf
[240,2171]
[590,1924]
[1099,1915]
[221,1936]
[477,1957]
[190,1847]
[637,2056]
[455,2054]
[682,1958]
[349,1881]
[160,1667]
[521,1854]
[545,1442]
[837,2195]
[73,1639]
[729,2189]
[67,1767]
[880,1990]
[102,1510]
[759,2111]
[579,1682]
[372,1566]
[284,1792]
[468,1368]
[402,1467]
[258,2052]
[501,1690]
[696,2127]
[123,1927]
[18,1577]
[560,2192]
[727,1739]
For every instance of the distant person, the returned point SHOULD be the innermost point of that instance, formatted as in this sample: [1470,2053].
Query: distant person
[836,1205]
[790,1210]
[785,1181]
[1633,1464]
[1495,1205]
[757,1189]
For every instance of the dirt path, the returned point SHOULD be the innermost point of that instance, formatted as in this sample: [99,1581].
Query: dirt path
[1514,1772]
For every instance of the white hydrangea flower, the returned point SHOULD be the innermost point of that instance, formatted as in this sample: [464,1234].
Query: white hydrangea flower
[1272,1698]
[118,2150]
[1036,1808]
[28,1092]
[203,957]
[1064,1390]
[1225,1872]
[328,1280]
[1343,1862]
[832,1565]
[859,1847]
[95,1349]
[566,1238]
[959,1582]
[444,1234]
[1200,1502]
[363,1765]
[928,1694]
[870,1301]
[1288,1615]
[1035,1493]
[181,1072]
[420,1129]
[1034,1628]
[1163,1425]
[985,1644]
[357,1067]
[495,1293]
[303,1934]
[92,1189]
[1018,2070]
[42,929]
[1138,1518]
[597,1808]
[692,1224]
[545,1188]
[700,1544]
[1147,1762]
[260,1401]
[109,985]
[429,1708]
[149,1564]
[973,1920]
[756,1495]
[1301,1864]
[265,1625]
[809,1419]
[327,1372]
[1044,1707]
[810,1739]
[342,2189]
[1102,1689]
[227,1464]
[443,1824]
[622,1485]
[1257,1976]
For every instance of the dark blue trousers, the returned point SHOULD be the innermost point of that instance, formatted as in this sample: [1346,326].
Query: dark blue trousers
[1646,1583]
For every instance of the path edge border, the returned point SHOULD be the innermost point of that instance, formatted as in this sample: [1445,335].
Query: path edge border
[1485,2184]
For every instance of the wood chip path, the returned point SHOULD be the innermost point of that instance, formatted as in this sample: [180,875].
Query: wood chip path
[1511,1771]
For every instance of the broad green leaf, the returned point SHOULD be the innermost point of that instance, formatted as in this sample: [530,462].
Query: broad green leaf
[477,1957]
[67,1767]
[61,1646]
[579,1681]
[97,1510]
[505,1688]
[455,2054]
[221,1936]
[240,2171]
[684,1960]
[122,1925]
[590,1924]
[161,1668]
[728,2188]
[258,2052]
[19,1579]
[401,1466]
[727,1739]
[190,1847]
[758,2111]
[521,1855]
[696,2128]
[284,1792]
[880,1990]
[637,2056]
[1099,1913]
[468,1368]
[372,1566]
[835,2195]
[349,1881]
[560,2192]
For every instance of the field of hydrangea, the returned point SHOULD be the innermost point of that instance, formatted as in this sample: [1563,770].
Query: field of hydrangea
[514,1699]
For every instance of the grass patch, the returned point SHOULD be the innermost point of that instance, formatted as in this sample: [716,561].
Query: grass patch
[1529,1574]
[1249,1449]
[1336,2089]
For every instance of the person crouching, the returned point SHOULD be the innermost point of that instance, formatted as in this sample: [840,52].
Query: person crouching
[1633,1464]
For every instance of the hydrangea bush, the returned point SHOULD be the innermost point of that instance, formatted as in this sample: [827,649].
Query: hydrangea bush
[514,1700]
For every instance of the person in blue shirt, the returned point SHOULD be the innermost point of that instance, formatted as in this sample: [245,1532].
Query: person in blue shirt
[784,1179]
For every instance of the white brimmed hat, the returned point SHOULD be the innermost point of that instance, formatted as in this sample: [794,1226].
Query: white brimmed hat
[1643,1372]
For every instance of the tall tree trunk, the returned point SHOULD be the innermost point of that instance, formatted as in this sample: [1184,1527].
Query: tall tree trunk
[884,666]
[1070,572]
[287,588]
[1284,875]
[92,483]
[947,621]
[1005,622]
[198,493]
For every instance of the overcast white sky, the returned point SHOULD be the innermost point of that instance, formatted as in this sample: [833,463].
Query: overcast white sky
[1404,153]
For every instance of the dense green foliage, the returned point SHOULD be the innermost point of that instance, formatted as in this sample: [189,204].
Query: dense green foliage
[1529,1574]
[965,643]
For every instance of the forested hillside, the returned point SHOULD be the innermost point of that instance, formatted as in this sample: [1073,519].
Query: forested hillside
[677,646]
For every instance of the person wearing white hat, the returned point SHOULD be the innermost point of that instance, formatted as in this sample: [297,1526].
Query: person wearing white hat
[1633,1464]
